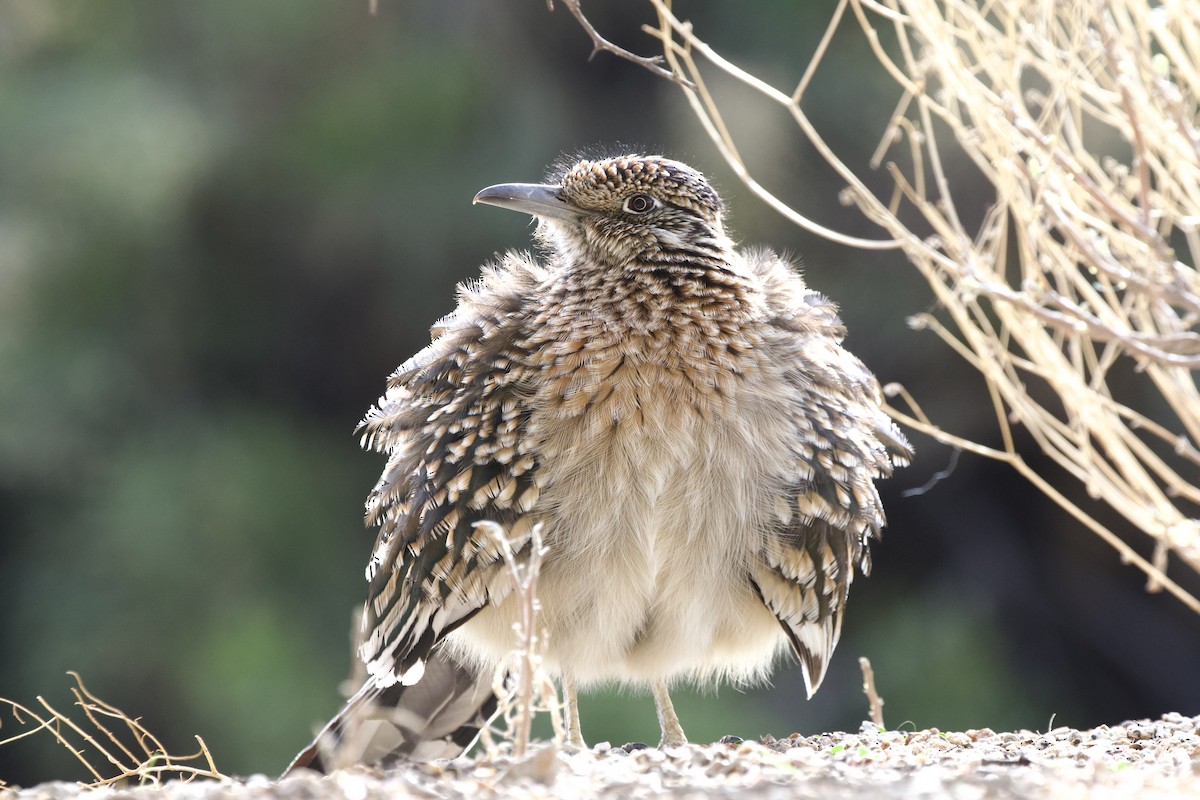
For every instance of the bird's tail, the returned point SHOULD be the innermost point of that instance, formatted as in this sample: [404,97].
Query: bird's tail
[439,716]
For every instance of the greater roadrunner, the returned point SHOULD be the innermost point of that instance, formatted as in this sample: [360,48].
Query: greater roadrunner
[681,417]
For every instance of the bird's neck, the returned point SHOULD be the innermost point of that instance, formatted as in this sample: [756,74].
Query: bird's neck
[618,339]
[654,298]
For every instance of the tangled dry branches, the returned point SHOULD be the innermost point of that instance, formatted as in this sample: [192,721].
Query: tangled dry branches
[1082,117]
[130,751]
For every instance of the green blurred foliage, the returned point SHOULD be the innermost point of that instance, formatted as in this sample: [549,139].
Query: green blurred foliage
[222,224]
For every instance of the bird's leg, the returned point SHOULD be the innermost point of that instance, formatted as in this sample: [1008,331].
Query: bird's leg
[672,731]
[571,701]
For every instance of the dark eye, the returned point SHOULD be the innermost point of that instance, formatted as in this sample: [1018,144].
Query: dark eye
[639,203]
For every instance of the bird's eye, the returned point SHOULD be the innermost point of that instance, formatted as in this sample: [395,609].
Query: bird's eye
[639,203]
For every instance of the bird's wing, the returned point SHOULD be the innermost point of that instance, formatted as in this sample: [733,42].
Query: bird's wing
[449,424]
[843,442]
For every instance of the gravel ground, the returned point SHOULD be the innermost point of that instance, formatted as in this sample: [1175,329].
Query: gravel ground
[1145,760]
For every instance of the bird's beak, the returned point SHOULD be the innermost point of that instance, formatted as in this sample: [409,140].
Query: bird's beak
[540,200]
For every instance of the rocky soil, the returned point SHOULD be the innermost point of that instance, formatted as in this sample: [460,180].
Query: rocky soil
[1146,759]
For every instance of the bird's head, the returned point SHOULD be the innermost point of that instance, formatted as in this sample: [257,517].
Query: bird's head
[632,212]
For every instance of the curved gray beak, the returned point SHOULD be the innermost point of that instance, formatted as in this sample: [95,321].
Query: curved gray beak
[540,200]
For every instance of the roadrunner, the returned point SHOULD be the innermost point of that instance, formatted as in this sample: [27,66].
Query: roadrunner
[679,415]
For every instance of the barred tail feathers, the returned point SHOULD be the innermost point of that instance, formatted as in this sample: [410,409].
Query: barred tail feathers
[439,716]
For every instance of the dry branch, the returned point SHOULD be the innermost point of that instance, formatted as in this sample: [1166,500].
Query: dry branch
[1082,118]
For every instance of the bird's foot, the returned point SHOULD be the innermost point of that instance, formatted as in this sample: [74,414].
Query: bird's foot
[574,744]
[672,741]
[672,731]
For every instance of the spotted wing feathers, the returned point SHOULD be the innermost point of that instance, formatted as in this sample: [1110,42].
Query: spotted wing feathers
[450,426]
[843,441]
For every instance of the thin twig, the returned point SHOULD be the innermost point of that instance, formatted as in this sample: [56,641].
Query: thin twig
[937,477]
[524,693]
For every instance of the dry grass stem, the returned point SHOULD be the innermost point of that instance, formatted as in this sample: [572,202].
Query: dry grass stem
[873,698]
[1075,295]
[521,683]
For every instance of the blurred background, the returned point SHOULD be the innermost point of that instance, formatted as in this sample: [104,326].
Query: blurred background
[223,224]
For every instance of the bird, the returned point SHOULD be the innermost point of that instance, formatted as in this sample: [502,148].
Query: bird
[680,417]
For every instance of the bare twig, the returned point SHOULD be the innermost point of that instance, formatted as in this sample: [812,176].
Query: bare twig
[600,44]
[937,477]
